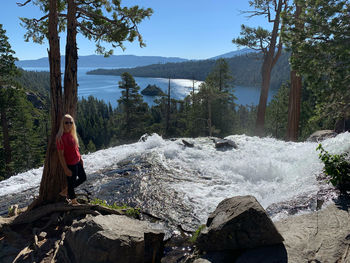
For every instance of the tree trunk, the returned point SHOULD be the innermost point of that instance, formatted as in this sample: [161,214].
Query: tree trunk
[71,68]
[209,116]
[266,76]
[294,107]
[270,60]
[127,108]
[295,95]
[6,141]
[168,112]
[53,179]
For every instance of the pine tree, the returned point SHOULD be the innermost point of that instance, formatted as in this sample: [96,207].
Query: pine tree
[323,55]
[7,71]
[277,113]
[134,112]
[267,42]
[8,68]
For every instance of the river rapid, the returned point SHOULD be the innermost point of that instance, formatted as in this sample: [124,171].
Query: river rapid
[182,185]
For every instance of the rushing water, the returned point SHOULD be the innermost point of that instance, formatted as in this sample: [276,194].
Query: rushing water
[170,180]
[105,87]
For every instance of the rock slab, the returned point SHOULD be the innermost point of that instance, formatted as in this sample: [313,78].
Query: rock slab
[322,236]
[114,238]
[238,223]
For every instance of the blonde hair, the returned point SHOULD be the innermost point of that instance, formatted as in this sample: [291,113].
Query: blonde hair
[73,130]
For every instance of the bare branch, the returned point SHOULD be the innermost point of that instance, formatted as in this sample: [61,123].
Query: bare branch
[40,19]
[253,13]
[26,2]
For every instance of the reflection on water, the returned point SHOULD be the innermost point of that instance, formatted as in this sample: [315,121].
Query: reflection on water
[105,87]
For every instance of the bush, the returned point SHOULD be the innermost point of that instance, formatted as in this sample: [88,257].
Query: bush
[336,166]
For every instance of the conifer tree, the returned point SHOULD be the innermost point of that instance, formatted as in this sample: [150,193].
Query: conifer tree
[217,94]
[269,44]
[133,109]
[7,71]
[8,68]
[322,48]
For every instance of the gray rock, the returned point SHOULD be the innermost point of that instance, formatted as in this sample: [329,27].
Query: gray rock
[114,238]
[188,144]
[225,143]
[238,223]
[322,236]
[201,260]
[321,135]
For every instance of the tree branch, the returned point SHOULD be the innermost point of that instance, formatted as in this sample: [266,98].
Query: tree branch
[25,3]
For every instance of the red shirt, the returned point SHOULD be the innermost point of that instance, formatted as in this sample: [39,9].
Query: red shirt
[70,148]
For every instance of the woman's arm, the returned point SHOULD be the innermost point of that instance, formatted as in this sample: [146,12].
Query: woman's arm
[63,163]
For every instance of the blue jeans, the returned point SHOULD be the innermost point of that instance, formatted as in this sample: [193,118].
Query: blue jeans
[77,178]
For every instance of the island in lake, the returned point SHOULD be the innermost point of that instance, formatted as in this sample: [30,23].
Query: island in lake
[152,90]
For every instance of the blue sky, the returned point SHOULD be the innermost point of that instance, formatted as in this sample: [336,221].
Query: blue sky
[192,29]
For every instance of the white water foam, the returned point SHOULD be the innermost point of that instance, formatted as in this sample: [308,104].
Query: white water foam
[269,169]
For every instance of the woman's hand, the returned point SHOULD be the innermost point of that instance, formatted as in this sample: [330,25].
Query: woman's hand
[68,172]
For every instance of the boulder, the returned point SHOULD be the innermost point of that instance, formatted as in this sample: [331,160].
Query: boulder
[187,144]
[114,238]
[201,260]
[322,236]
[144,137]
[225,143]
[238,223]
[321,135]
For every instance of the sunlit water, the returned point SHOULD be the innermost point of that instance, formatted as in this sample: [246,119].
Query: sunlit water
[105,87]
[271,170]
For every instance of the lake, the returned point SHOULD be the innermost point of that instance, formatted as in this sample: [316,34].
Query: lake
[105,87]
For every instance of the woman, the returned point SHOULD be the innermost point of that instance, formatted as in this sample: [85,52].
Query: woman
[70,159]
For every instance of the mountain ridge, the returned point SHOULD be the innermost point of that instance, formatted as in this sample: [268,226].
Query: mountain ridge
[101,61]
[124,61]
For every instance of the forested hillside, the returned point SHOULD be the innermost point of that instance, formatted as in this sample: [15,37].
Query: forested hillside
[245,69]
[101,61]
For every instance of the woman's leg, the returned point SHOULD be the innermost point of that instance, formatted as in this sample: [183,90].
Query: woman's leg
[81,175]
[71,181]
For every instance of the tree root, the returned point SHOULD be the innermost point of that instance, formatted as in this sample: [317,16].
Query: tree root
[32,215]
[58,244]
[25,251]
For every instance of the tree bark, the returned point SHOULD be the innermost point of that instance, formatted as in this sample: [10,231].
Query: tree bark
[266,77]
[53,179]
[294,96]
[294,107]
[6,141]
[71,67]
[270,60]
[167,124]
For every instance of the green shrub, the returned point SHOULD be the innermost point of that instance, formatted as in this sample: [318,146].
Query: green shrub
[336,167]
[130,211]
